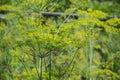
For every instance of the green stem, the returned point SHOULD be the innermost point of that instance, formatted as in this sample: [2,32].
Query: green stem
[91,52]
[50,68]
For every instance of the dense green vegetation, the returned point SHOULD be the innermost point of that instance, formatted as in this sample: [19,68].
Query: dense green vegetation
[36,47]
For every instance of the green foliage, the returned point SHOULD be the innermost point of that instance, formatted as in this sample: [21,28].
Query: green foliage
[33,47]
[111,7]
